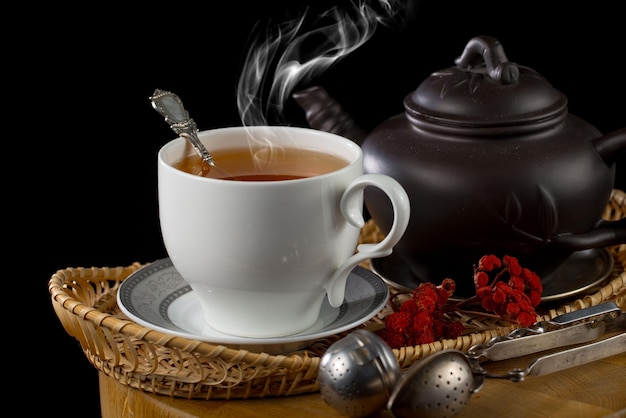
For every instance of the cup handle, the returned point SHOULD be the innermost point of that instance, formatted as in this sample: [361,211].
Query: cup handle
[352,209]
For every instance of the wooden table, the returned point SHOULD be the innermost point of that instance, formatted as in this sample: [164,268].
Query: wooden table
[595,389]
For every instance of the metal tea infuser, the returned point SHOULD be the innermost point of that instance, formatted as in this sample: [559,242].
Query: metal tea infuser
[358,373]
[355,373]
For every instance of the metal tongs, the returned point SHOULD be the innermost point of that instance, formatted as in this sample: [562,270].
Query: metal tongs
[358,371]
[578,327]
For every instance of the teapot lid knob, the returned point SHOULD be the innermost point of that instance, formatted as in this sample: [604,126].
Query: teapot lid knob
[488,50]
[486,91]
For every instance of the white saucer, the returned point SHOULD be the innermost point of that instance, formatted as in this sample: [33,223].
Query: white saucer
[157,297]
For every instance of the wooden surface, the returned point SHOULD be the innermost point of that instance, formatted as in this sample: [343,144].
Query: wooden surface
[595,389]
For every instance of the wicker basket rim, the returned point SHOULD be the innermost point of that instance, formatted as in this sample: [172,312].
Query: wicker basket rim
[59,293]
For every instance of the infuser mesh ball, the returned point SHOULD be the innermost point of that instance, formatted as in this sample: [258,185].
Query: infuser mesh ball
[357,374]
[439,386]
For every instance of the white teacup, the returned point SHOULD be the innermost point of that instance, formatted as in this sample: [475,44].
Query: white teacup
[263,255]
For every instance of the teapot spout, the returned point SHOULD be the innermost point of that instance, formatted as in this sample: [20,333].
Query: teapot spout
[325,114]
[611,146]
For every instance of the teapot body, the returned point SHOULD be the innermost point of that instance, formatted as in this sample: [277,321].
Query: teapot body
[493,163]
[474,195]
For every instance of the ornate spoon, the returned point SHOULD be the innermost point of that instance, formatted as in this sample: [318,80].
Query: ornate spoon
[170,106]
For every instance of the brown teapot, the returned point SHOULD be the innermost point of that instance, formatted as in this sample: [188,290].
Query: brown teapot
[492,162]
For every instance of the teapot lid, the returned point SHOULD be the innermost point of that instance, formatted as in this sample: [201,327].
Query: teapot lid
[485,90]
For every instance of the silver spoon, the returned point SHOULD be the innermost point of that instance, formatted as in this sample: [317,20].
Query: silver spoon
[170,106]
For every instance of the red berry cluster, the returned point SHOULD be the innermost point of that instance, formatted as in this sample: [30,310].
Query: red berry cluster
[420,319]
[514,299]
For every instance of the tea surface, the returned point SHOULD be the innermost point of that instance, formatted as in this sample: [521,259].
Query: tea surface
[262,164]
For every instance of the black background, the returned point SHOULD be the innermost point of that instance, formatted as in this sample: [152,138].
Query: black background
[89,198]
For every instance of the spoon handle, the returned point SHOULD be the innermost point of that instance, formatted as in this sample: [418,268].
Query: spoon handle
[170,106]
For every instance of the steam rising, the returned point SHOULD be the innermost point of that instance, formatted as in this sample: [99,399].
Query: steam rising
[298,49]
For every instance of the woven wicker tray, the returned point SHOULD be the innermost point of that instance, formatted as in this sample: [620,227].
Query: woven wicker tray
[84,299]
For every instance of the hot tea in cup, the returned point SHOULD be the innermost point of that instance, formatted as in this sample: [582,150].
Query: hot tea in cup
[267,234]
[263,164]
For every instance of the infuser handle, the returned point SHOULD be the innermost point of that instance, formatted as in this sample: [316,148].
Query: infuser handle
[573,357]
[581,326]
